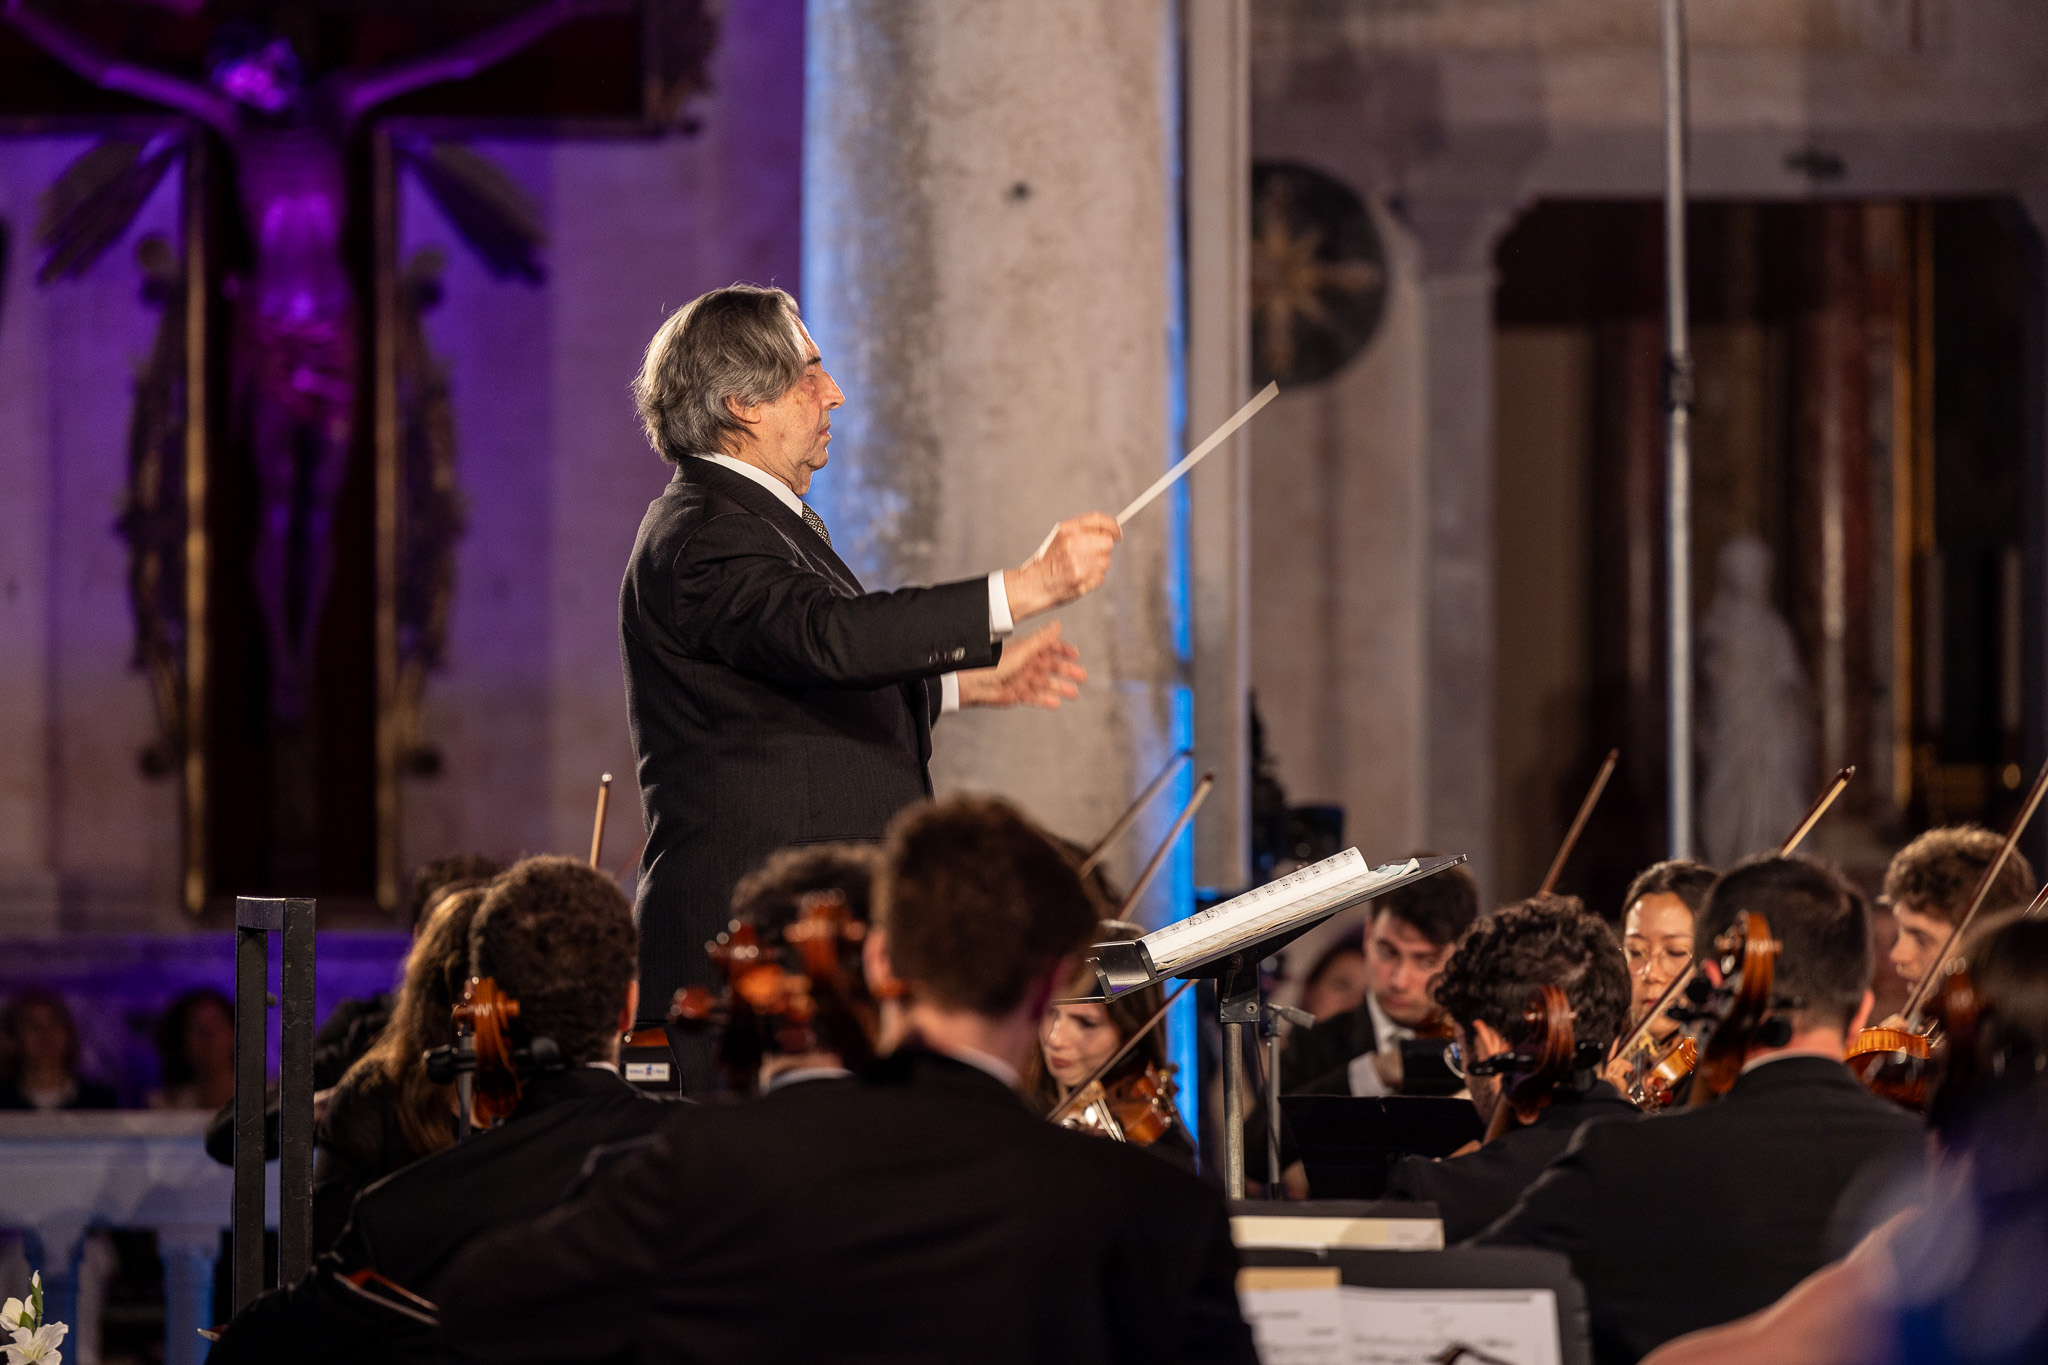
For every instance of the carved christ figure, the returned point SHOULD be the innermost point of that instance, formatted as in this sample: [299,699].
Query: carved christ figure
[294,349]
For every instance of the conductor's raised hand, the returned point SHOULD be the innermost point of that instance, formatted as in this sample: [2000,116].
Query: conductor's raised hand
[1074,560]
[1039,669]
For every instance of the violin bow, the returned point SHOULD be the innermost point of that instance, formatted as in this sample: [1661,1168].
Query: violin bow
[1130,816]
[1180,823]
[1917,1001]
[2040,903]
[1571,836]
[1820,808]
[604,801]
[1785,850]
[1099,1072]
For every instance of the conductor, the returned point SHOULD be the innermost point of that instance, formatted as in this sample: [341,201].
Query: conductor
[773,700]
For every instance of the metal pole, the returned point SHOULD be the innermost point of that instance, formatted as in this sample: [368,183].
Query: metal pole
[295,1098]
[1678,450]
[1233,1110]
[251,941]
[1273,1109]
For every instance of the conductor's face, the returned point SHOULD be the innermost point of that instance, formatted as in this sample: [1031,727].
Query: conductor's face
[787,436]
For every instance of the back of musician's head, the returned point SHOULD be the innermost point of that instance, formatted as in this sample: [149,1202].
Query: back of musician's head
[740,342]
[979,903]
[1440,908]
[1937,873]
[771,899]
[557,936]
[1543,941]
[1827,956]
[1680,877]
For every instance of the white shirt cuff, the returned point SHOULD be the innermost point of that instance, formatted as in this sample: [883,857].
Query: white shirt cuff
[999,622]
[1365,1077]
[949,693]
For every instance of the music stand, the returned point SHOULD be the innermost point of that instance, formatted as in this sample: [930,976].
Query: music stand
[1238,935]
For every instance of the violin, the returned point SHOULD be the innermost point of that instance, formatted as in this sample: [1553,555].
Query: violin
[1735,1005]
[785,997]
[488,1069]
[1138,1109]
[1545,1060]
[1895,1062]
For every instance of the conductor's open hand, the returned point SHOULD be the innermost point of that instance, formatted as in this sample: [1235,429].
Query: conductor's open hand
[1040,669]
[1074,560]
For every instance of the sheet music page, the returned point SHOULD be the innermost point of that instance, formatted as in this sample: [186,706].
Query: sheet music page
[1297,1326]
[1424,1326]
[1270,908]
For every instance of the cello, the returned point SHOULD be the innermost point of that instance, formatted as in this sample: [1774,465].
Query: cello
[489,1070]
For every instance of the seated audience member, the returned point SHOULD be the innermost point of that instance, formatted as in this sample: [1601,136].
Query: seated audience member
[1485,988]
[558,937]
[832,883]
[1373,1049]
[1954,1278]
[386,1112]
[918,1213]
[39,1045]
[1337,982]
[1657,938]
[195,1043]
[1695,1218]
[1928,888]
[1075,1039]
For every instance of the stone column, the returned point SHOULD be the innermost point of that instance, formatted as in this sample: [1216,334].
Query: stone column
[1457,237]
[988,222]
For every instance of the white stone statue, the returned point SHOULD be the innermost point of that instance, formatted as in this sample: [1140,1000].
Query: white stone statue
[1756,727]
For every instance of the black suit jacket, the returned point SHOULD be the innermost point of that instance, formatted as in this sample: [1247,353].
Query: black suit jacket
[1695,1218]
[918,1213]
[408,1226]
[772,701]
[1471,1191]
[1317,1061]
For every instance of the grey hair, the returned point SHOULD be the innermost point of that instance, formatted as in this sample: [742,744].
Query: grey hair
[741,342]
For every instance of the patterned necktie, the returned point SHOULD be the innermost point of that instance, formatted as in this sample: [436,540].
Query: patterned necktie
[817,523]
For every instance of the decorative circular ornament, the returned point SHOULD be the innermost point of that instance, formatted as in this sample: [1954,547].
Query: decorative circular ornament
[1319,277]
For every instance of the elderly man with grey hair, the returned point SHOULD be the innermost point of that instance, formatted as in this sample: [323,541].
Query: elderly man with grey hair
[773,700]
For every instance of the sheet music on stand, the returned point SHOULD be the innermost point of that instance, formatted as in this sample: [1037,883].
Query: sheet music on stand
[1263,920]
[1352,1325]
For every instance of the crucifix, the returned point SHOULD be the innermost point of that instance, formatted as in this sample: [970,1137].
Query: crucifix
[283,319]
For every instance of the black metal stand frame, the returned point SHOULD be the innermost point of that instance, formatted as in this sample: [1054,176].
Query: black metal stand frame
[256,919]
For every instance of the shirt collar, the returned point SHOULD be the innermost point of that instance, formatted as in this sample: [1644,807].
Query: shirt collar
[981,1061]
[804,1073]
[760,476]
[1384,1029]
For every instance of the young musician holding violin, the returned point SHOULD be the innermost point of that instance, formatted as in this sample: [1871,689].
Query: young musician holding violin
[1134,1102]
[1392,1042]
[1657,939]
[1485,989]
[1694,1218]
[1929,884]
[920,1212]
[1960,1268]
[554,947]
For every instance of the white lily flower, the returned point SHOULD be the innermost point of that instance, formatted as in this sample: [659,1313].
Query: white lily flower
[39,1346]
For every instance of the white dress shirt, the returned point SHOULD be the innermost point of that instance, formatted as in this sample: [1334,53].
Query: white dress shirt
[1365,1077]
[1000,624]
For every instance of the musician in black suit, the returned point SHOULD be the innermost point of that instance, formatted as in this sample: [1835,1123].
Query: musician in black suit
[918,1213]
[1695,1218]
[1374,1049]
[558,937]
[773,700]
[1485,989]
